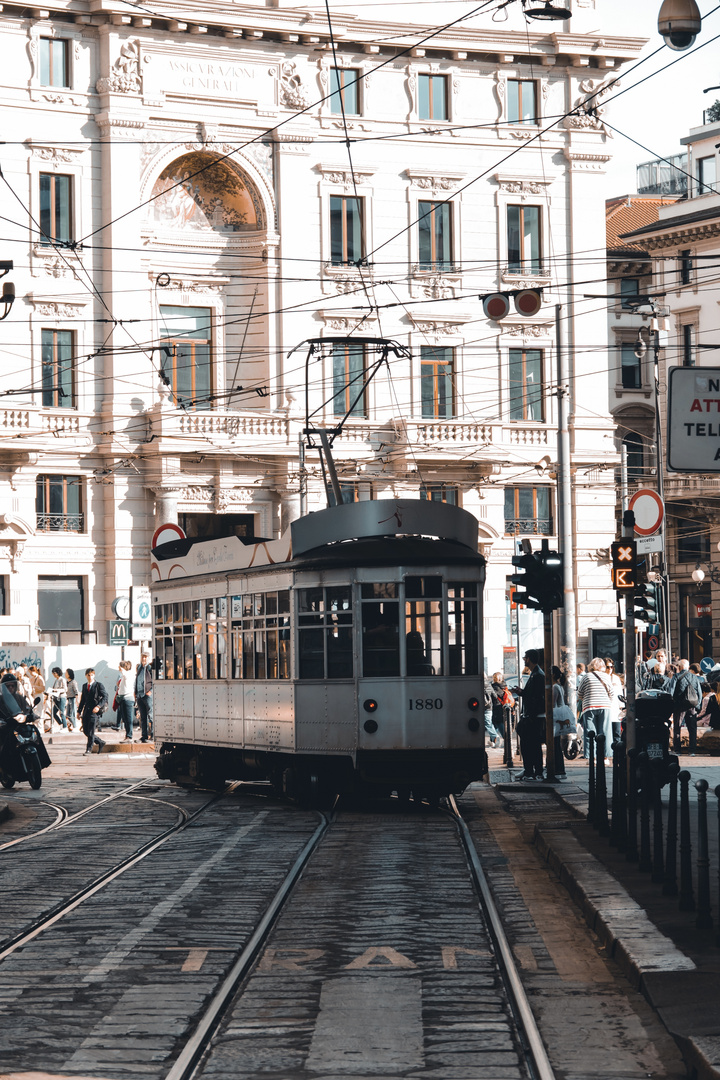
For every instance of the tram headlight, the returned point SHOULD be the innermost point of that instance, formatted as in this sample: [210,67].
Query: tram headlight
[370,726]
[370,705]
[474,703]
[474,723]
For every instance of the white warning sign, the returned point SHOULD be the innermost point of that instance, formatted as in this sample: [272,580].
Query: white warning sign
[693,419]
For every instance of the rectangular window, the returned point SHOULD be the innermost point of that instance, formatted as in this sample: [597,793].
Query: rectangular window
[3,596]
[59,504]
[57,368]
[630,367]
[706,175]
[344,91]
[526,389]
[463,633]
[435,235]
[215,640]
[56,224]
[688,341]
[380,631]
[54,65]
[61,609]
[260,639]
[686,267]
[440,493]
[629,288]
[325,633]
[346,230]
[349,398]
[523,239]
[432,92]
[186,352]
[527,511]
[693,540]
[436,382]
[522,101]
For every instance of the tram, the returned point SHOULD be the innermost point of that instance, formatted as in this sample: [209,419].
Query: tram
[346,657]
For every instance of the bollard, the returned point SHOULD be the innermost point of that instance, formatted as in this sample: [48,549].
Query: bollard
[645,862]
[601,806]
[616,804]
[631,851]
[658,867]
[621,781]
[704,918]
[670,881]
[507,738]
[687,900]
[591,777]
[717,796]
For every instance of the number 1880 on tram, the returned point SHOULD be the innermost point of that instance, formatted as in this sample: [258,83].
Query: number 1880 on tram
[344,658]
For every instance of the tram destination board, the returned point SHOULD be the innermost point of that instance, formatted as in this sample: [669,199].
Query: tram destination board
[693,419]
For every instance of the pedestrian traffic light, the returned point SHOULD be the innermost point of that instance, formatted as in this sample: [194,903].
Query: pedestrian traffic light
[647,600]
[624,565]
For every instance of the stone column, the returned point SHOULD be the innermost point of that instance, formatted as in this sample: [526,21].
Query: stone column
[289,509]
[166,507]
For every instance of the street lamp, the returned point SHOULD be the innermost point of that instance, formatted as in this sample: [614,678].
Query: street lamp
[548,12]
[8,289]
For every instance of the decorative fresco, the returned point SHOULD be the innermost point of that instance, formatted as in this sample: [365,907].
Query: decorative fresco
[199,191]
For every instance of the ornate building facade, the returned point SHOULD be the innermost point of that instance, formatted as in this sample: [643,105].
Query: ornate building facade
[183,212]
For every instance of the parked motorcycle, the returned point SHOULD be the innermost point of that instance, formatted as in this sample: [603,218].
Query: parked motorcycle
[22,751]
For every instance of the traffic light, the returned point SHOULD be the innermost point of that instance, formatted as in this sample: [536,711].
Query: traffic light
[624,566]
[542,582]
[647,601]
[529,588]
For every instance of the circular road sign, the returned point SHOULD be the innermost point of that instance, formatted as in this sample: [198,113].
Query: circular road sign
[649,511]
[165,533]
[653,642]
[707,664]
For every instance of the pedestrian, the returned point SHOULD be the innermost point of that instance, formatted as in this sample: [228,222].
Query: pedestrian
[686,690]
[491,702]
[505,702]
[58,696]
[559,701]
[93,703]
[125,699]
[73,693]
[532,725]
[143,697]
[595,691]
[617,686]
[23,683]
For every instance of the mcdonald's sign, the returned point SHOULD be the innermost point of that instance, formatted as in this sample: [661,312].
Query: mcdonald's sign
[118,631]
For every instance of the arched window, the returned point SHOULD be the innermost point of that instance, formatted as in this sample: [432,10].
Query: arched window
[201,191]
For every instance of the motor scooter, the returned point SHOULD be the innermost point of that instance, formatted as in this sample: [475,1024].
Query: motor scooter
[22,751]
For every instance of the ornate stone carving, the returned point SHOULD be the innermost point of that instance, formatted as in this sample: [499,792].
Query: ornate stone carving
[292,92]
[57,309]
[346,285]
[527,330]
[587,110]
[522,187]
[126,76]
[517,281]
[55,155]
[336,174]
[437,288]
[233,497]
[438,328]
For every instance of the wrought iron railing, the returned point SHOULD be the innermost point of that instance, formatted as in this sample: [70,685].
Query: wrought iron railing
[528,526]
[60,523]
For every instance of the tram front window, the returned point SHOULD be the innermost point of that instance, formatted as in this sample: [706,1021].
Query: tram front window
[463,634]
[380,631]
[423,625]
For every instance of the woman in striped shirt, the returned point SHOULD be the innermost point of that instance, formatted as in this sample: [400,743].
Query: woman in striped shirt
[597,695]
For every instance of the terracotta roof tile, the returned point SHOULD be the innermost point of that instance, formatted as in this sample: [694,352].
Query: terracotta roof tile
[626,213]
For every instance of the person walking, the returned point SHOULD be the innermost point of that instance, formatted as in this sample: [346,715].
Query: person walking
[532,724]
[686,690]
[58,696]
[73,693]
[595,691]
[143,697]
[615,725]
[93,703]
[559,701]
[125,699]
[491,701]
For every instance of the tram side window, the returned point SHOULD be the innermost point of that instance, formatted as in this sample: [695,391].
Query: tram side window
[463,633]
[325,633]
[260,637]
[423,625]
[380,631]
[216,638]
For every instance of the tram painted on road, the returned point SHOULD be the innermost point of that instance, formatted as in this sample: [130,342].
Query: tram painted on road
[345,657]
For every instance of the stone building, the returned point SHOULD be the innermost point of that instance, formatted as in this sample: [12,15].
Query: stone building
[182,212]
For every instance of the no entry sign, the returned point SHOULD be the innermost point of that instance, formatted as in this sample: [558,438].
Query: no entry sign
[694,419]
[649,510]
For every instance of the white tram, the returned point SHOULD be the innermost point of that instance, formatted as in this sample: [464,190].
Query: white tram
[346,656]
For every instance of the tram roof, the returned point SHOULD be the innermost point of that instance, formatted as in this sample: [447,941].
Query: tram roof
[312,536]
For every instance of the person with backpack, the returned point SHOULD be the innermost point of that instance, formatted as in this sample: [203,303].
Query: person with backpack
[491,700]
[686,689]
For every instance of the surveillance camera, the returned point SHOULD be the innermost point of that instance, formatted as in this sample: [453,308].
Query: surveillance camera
[679,23]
